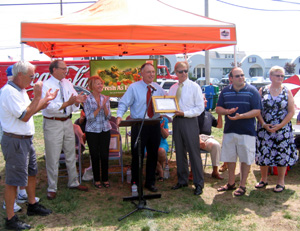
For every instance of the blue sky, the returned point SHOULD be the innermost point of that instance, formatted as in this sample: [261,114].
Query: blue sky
[264,27]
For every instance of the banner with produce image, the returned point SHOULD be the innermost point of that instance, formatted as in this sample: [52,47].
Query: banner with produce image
[118,74]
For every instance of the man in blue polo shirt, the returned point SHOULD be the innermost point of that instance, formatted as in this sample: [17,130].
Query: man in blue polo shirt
[240,103]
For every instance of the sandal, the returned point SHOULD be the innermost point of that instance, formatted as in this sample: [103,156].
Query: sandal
[160,179]
[261,184]
[240,191]
[106,185]
[279,187]
[98,185]
[226,187]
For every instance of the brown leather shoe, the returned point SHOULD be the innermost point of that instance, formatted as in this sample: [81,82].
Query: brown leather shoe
[217,176]
[80,188]
[51,195]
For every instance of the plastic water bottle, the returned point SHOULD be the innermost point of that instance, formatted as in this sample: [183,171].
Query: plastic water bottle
[134,190]
[166,172]
[128,175]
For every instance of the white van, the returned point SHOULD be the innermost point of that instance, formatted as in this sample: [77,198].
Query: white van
[166,83]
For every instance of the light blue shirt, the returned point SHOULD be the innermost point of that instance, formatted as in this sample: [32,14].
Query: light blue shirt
[135,98]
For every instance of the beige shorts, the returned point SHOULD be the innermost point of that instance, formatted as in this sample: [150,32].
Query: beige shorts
[236,145]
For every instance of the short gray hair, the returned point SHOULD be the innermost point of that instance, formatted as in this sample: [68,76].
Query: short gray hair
[276,68]
[21,66]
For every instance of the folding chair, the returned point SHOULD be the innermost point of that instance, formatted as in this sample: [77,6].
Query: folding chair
[202,151]
[115,150]
[113,119]
[113,125]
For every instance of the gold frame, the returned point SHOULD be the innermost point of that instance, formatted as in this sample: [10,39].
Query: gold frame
[116,147]
[173,102]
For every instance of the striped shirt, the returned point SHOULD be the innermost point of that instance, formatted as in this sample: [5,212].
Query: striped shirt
[246,99]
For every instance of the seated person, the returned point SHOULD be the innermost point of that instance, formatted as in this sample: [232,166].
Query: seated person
[163,149]
[81,121]
[206,120]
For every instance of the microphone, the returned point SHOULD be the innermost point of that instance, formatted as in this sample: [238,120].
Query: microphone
[153,88]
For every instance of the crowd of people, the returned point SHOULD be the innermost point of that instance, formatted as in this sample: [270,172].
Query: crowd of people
[257,129]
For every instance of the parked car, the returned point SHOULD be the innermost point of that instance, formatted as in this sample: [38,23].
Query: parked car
[223,83]
[259,81]
[166,83]
[114,101]
[248,80]
[202,81]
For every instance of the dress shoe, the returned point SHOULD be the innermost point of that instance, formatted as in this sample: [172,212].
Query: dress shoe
[217,176]
[177,186]
[198,190]
[51,195]
[223,168]
[151,188]
[80,188]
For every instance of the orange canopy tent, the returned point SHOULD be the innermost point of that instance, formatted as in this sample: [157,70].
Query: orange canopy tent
[127,27]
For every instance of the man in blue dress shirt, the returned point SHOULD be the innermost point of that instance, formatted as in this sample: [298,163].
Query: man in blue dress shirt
[136,99]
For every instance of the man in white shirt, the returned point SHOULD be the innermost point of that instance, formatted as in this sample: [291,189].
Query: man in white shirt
[58,128]
[186,129]
[18,130]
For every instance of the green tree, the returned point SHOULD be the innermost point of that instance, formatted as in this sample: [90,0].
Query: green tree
[290,68]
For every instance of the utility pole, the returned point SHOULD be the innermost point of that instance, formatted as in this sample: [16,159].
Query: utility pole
[207,66]
[61,8]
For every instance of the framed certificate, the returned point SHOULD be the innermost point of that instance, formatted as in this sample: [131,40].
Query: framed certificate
[166,104]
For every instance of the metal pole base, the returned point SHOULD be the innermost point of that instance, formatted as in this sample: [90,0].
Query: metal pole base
[140,206]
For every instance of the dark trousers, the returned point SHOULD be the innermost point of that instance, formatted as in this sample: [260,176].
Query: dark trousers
[150,138]
[186,137]
[99,150]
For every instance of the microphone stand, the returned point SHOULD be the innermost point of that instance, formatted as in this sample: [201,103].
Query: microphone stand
[141,197]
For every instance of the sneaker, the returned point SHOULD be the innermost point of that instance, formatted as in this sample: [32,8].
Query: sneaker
[37,209]
[17,208]
[23,198]
[15,224]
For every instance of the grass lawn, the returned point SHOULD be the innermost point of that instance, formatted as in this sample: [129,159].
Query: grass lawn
[100,209]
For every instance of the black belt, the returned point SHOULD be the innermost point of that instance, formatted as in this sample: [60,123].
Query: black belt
[179,117]
[17,136]
[58,118]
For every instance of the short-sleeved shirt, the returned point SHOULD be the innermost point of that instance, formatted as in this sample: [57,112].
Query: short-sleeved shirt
[246,99]
[14,102]
[205,121]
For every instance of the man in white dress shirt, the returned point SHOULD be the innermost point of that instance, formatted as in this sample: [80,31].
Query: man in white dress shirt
[186,129]
[58,128]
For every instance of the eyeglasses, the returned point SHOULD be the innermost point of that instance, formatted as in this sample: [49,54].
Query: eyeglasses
[238,76]
[31,76]
[62,68]
[180,72]
[278,76]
